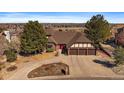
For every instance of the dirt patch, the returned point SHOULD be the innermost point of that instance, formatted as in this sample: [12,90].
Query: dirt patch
[52,69]
[11,68]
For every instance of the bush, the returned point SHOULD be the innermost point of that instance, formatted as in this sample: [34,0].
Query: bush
[119,55]
[50,50]
[11,68]
[11,55]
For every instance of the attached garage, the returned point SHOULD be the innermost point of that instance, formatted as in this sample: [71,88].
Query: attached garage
[91,52]
[73,52]
[82,52]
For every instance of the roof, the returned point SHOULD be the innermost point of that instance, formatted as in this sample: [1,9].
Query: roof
[68,37]
[63,37]
[83,38]
[3,44]
[51,40]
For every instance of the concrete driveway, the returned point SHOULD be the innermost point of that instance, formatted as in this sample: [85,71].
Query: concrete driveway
[81,67]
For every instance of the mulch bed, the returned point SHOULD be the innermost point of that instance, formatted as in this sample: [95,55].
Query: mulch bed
[52,69]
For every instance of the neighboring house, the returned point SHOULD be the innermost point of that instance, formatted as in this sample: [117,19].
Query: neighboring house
[3,44]
[119,37]
[7,35]
[73,43]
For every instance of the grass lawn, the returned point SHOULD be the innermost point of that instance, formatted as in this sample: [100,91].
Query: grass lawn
[35,58]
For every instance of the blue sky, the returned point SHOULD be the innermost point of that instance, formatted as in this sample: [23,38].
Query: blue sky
[58,17]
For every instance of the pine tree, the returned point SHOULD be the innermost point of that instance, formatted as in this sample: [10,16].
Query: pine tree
[98,29]
[33,39]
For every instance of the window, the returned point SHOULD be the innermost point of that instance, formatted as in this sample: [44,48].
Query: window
[89,45]
[84,45]
[72,45]
[76,45]
[80,45]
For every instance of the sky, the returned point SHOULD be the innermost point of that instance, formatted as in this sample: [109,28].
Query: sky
[58,17]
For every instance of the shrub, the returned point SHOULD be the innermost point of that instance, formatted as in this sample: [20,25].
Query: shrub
[11,55]
[60,29]
[50,50]
[11,68]
[119,56]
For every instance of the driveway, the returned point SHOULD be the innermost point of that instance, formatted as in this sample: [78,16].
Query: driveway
[81,67]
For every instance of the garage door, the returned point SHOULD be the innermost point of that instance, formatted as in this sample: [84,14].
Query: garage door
[91,52]
[73,52]
[82,52]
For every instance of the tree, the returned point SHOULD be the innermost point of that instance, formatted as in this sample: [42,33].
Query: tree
[11,55]
[33,38]
[97,29]
[119,55]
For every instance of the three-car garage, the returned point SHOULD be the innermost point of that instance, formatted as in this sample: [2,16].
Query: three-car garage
[87,51]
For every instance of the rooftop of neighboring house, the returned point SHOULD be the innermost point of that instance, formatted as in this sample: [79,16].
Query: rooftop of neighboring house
[119,30]
[3,44]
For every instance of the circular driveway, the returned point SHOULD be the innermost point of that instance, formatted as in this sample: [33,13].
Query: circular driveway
[81,67]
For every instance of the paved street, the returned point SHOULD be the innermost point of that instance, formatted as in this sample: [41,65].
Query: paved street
[81,67]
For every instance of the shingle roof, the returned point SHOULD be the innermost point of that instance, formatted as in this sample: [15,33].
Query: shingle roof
[69,37]
[3,44]
[62,37]
[83,38]
[51,40]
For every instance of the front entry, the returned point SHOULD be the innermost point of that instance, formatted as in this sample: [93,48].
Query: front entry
[64,50]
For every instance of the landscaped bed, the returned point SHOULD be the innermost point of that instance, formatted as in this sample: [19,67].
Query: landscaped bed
[52,69]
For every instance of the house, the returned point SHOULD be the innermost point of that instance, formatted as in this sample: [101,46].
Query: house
[7,35]
[119,37]
[3,44]
[70,42]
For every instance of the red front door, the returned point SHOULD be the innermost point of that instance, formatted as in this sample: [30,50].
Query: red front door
[61,46]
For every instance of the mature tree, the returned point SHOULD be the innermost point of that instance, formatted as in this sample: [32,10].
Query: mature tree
[33,39]
[119,55]
[98,29]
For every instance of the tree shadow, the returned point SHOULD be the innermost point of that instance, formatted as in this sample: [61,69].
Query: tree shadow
[105,63]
